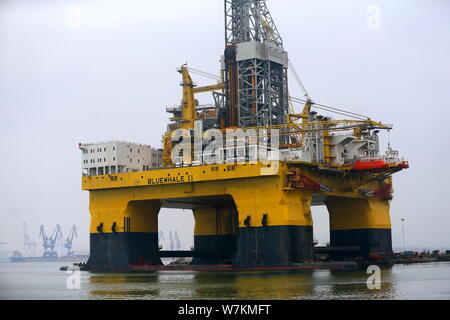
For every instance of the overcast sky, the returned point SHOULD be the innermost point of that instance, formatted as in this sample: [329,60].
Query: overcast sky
[87,71]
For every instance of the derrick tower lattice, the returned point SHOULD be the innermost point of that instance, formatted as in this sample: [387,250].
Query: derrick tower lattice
[255,66]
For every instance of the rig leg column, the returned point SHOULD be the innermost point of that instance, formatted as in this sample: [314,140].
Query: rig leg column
[275,230]
[360,222]
[214,235]
[123,234]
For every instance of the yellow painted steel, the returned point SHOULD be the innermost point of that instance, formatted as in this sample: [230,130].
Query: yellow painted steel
[189,114]
[217,87]
[354,214]
[212,221]
[328,158]
[167,151]
[113,206]
[254,195]
[184,175]
[256,192]
[282,208]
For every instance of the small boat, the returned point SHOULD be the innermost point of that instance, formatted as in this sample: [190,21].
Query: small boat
[370,165]
[378,165]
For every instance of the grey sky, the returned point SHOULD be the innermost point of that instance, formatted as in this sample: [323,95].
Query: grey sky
[110,74]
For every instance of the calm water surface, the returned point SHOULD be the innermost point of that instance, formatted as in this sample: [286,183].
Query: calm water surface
[45,281]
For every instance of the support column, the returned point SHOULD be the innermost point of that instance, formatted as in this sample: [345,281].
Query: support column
[214,235]
[123,234]
[360,222]
[275,228]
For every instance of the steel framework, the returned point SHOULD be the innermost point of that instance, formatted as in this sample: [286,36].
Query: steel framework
[250,20]
[261,85]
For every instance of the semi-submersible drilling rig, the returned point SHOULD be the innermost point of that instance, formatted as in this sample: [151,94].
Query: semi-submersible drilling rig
[249,214]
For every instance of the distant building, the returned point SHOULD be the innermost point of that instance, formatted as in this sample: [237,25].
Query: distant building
[118,157]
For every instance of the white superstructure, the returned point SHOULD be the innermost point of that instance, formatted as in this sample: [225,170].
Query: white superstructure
[118,157]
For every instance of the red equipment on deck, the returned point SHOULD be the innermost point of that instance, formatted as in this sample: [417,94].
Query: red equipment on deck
[370,165]
[376,165]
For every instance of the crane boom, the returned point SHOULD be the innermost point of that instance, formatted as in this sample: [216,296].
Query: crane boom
[49,244]
[69,241]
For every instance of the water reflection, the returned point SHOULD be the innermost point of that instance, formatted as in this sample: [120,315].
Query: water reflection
[45,281]
[279,285]
[122,286]
[350,284]
[282,285]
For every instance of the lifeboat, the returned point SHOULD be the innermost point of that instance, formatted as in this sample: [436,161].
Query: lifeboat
[370,165]
[377,165]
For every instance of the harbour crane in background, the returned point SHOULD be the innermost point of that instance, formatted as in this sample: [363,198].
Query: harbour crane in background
[49,244]
[172,245]
[160,240]
[69,241]
[28,245]
[177,240]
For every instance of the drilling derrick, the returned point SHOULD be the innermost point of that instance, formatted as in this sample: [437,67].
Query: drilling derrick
[255,66]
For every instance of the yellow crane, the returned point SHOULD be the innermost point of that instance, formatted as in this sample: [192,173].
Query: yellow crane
[297,126]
